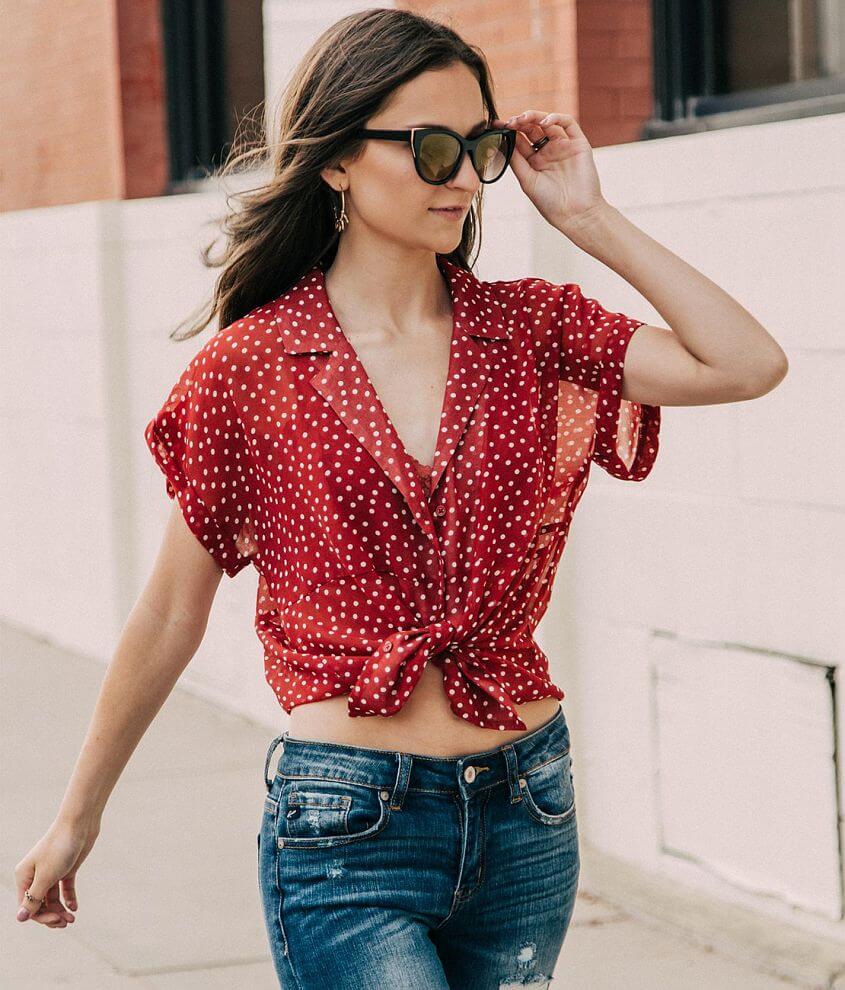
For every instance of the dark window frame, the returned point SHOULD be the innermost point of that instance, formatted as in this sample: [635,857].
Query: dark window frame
[684,34]
[195,79]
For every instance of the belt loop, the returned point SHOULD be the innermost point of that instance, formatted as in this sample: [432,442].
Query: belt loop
[512,763]
[267,780]
[403,777]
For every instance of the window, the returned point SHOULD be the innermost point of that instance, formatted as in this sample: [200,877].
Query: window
[214,68]
[721,63]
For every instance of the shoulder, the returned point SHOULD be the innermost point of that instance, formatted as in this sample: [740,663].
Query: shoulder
[518,302]
[537,310]
[238,352]
[531,297]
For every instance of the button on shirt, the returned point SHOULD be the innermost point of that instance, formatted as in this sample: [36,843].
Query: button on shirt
[281,455]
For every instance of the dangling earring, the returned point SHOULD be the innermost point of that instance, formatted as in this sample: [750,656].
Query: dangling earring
[341,222]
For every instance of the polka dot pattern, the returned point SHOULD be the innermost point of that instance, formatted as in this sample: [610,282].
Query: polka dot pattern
[371,565]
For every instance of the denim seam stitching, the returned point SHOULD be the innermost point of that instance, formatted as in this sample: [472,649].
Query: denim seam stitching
[467,895]
[281,898]
[454,907]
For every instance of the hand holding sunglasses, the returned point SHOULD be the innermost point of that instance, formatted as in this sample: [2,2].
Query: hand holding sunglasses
[553,163]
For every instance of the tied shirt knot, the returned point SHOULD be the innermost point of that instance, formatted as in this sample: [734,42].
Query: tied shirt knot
[391,672]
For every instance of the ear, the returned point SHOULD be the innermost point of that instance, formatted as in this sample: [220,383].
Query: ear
[332,176]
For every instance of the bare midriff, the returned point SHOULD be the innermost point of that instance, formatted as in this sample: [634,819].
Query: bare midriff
[425,725]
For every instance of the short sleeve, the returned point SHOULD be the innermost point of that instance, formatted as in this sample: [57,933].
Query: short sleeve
[197,440]
[589,344]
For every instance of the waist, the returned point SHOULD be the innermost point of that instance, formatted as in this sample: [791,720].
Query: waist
[426,724]
[312,759]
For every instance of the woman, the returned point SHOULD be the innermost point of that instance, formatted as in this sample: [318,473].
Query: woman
[399,448]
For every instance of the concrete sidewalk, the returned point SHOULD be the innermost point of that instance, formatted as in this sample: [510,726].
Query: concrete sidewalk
[168,895]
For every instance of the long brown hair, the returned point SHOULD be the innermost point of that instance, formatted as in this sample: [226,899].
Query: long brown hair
[286,226]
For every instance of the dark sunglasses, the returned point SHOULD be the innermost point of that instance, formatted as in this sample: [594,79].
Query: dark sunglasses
[438,152]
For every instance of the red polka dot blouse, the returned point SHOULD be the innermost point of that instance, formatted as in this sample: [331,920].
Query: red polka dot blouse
[370,565]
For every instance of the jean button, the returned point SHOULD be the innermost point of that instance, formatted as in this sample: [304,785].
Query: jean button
[469,774]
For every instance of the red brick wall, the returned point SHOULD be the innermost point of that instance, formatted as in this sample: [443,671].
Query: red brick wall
[59,103]
[81,102]
[614,69]
[82,98]
[530,47]
[143,98]
[590,58]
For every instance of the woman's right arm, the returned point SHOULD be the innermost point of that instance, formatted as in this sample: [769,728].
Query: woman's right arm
[161,635]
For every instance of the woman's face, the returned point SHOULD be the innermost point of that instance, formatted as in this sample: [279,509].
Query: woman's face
[384,195]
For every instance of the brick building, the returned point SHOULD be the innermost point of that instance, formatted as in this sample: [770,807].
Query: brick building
[114,99]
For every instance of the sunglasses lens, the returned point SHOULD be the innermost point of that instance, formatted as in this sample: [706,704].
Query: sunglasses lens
[492,156]
[437,155]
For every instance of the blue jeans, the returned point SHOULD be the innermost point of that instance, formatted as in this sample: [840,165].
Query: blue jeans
[391,870]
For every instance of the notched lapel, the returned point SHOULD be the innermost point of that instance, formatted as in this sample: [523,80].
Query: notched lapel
[479,333]
[360,410]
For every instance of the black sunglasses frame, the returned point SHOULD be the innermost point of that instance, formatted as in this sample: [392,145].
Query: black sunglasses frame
[415,135]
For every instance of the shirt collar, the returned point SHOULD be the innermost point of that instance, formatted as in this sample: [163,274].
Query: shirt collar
[475,310]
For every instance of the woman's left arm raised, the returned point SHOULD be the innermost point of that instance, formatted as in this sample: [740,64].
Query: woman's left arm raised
[715,351]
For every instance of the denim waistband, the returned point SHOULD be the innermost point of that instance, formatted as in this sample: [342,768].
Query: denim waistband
[400,771]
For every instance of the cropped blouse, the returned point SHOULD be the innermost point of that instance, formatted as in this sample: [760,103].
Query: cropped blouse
[370,565]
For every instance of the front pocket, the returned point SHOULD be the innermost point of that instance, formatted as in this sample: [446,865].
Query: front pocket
[548,792]
[315,812]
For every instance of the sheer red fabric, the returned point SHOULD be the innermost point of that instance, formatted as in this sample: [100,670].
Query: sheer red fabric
[424,471]
[370,565]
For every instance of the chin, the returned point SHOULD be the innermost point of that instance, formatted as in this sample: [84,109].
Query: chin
[446,246]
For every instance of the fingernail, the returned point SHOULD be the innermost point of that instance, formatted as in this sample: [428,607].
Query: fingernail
[23,914]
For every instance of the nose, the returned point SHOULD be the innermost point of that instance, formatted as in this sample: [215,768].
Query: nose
[466,177]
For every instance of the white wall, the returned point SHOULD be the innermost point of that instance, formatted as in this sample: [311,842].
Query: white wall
[697,619]
[697,616]
[89,295]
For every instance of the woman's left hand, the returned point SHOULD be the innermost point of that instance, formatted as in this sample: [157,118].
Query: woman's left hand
[560,179]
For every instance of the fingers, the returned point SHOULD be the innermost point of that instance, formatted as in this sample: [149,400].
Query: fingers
[536,124]
[32,907]
[47,908]
[54,906]
[528,124]
[69,890]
